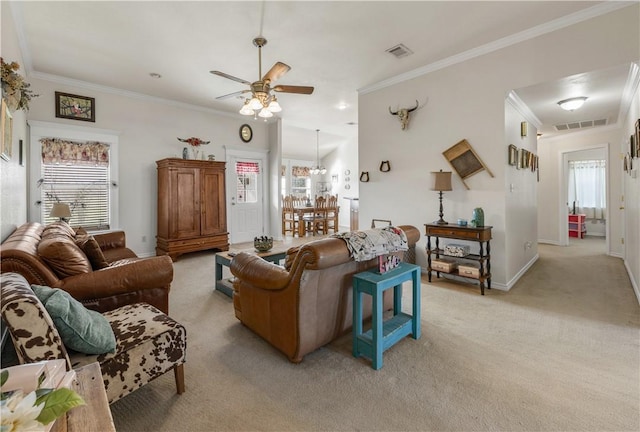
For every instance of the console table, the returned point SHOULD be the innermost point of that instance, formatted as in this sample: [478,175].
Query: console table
[482,235]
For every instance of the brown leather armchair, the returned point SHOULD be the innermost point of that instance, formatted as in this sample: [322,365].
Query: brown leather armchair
[308,303]
[123,279]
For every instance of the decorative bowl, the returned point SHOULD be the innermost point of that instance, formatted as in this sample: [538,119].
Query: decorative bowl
[263,244]
[462,222]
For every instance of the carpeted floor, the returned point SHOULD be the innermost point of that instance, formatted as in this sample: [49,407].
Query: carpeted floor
[559,352]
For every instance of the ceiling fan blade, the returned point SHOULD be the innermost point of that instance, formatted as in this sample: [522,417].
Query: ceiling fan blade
[293,89]
[231,77]
[230,95]
[276,71]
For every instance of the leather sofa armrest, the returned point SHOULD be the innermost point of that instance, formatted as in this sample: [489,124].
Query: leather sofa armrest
[139,275]
[111,240]
[255,271]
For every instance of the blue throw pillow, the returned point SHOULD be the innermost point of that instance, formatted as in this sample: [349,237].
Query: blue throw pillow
[81,329]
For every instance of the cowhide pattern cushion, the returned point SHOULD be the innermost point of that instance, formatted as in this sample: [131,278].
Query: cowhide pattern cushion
[32,331]
[148,344]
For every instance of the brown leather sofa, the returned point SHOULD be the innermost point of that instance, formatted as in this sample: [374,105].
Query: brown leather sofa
[58,257]
[308,303]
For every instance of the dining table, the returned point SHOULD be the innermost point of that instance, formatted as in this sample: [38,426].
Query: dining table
[300,212]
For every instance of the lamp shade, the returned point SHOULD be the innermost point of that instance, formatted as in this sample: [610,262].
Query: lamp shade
[60,210]
[441,180]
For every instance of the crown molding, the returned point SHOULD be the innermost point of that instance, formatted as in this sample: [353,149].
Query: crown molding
[126,93]
[533,32]
[18,21]
[514,100]
[630,89]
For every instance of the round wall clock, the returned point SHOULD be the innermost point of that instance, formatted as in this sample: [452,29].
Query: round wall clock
[246,133]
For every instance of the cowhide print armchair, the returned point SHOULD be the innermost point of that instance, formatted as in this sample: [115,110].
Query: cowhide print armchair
[148,342]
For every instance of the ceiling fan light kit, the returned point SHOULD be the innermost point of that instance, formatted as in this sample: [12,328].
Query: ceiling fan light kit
[262,102]
[572,103]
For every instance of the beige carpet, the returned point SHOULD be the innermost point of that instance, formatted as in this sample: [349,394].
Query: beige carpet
[559,352]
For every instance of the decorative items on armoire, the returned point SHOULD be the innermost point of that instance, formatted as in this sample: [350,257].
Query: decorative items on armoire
[195,152]
[441,183]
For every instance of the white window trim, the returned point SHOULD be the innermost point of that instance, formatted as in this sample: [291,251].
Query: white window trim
[40,129]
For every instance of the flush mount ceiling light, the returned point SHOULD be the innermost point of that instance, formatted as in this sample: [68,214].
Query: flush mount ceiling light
[572,103]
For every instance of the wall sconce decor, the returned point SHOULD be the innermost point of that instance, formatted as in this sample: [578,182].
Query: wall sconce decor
[364,176]
[523,129]
[384,166]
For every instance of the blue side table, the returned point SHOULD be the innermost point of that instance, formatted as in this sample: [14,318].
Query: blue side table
[384,334]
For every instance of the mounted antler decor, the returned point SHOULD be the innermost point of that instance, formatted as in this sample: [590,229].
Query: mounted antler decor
[403,115]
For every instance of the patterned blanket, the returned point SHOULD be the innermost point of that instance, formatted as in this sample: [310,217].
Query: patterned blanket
[365,245]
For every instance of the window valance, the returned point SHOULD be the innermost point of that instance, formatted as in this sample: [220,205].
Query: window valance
[247,167]
[300,171]
[59,151]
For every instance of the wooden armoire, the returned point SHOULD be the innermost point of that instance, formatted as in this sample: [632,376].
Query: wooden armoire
[192,213]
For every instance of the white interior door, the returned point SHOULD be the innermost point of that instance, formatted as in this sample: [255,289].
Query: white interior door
[246,193]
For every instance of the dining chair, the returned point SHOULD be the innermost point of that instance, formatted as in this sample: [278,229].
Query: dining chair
[332,213]
[289,216]
[317,221]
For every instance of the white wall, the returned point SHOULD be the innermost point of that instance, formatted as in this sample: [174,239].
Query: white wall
[148,132]
[631,188]
[552,224]
[466,100]
[521,186]
[13,176]
[344,158]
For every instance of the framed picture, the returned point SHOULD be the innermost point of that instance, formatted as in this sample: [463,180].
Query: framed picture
[323,187]
[638,138]
[21,155]
[75,107]
[513,155]
[6,129]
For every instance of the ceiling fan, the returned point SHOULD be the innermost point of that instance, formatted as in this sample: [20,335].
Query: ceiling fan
[261,98]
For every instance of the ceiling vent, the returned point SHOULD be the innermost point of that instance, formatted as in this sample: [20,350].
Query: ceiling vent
[400,51]
[580,124]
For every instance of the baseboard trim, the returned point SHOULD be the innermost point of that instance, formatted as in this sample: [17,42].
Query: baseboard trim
[522,271]
[634,283]
[551,242]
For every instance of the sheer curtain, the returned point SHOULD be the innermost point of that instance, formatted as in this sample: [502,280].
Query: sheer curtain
[587,188]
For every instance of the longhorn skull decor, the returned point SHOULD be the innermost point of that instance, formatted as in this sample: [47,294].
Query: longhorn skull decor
[403,115]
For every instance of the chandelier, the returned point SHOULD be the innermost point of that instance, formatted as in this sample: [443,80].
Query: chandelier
[318,169]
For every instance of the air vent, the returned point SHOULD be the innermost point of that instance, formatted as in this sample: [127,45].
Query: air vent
[400,51]
[581,124]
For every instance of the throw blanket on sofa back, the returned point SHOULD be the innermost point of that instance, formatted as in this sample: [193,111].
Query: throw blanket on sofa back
[366,245]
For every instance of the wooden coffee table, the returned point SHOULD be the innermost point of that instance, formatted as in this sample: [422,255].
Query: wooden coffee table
[225,286]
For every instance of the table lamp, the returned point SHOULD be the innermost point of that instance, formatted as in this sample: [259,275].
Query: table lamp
[61,210]
[441,183]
